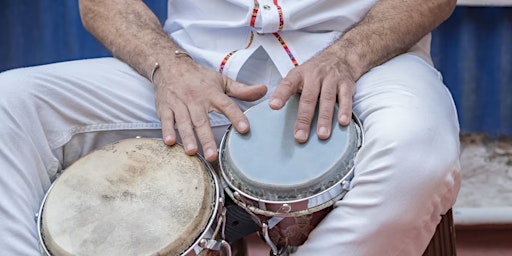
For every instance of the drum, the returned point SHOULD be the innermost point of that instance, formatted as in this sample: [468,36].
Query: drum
[287,187]
[134,197]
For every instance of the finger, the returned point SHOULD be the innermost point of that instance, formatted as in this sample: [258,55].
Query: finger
[345,94]
[185,128]
[245,92]
[326,108]
[306,112]
[168,131]
[289,86]
[231,110]
[201,123]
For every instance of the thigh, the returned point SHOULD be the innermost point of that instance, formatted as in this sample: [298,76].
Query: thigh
[42,109]
[51,116]
[57,102]
[408,117]
[406,172]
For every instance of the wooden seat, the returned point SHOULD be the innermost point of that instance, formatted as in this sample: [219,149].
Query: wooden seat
[443,241]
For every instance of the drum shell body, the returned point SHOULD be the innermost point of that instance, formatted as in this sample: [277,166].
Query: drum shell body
[291,207]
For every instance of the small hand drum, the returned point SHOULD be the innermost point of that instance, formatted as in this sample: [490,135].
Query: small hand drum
[287,186]
[133,197]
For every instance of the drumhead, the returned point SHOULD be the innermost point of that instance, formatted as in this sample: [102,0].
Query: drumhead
[267,164]
[134,197]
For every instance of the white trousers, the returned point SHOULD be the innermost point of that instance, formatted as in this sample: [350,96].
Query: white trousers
[406,174]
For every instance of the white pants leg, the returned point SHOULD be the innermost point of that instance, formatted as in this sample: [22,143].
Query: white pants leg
[406,173]
[51,115]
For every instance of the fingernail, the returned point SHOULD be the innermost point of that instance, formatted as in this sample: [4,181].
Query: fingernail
[344,119]
[276,102]
[323,131]
[242,126]
[300,135]
[209,153]
[169,139]
[190,147]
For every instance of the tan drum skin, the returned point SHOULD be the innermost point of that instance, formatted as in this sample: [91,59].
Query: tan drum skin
[133,197]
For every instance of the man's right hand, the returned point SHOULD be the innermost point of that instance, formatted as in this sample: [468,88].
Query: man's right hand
[186,92]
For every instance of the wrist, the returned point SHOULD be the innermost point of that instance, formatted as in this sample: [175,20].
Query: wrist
[157,66]
[346,59]
[353,58]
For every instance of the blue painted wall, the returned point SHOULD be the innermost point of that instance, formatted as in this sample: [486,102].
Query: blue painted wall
[43,31]
[473,50]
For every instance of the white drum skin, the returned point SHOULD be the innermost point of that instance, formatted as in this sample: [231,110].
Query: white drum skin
[133,197]
[280,180]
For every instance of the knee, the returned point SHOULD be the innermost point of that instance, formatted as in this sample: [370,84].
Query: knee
[415,143]
[418,162]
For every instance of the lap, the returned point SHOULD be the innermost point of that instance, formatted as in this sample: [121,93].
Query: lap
[406,112]
[406,172]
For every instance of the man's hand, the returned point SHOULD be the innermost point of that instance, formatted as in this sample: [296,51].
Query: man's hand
[325,78]
[390,28]
[187,92]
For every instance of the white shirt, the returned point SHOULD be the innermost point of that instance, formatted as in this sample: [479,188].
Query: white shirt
[217,31]
[223,34]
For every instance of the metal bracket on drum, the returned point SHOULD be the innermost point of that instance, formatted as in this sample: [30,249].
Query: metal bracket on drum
[273,248]
[222,219]
[215,245]
[284,209]
[239,200]
[218,245]
[277,216]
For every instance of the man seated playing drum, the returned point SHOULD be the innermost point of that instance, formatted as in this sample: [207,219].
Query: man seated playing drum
[186,82]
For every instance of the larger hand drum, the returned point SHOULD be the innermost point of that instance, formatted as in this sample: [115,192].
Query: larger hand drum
[133,197]
[287,186]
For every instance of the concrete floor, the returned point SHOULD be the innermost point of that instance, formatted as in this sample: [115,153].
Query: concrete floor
[486,197]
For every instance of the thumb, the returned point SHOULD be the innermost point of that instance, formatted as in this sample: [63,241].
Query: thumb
[245,92]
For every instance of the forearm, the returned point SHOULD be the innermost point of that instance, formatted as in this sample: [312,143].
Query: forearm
[132,33]
[130,30]
[390,28]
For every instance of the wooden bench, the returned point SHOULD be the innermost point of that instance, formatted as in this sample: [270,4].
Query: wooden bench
[443,241]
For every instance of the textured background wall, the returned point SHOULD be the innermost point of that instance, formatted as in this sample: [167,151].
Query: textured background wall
[473,50]
[44,31]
